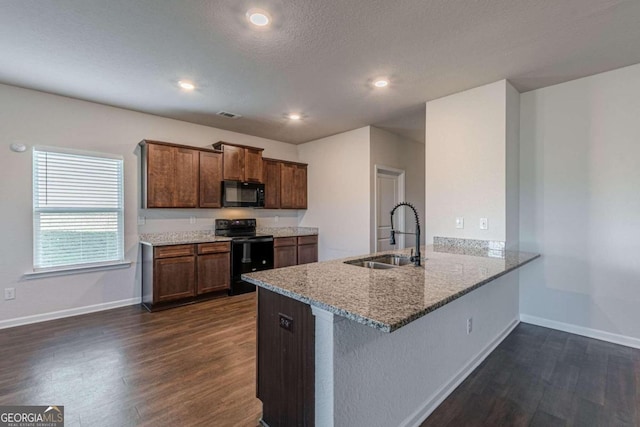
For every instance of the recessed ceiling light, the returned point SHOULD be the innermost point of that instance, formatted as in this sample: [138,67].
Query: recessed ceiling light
[186,85]
[258,17]
[381,83]
[294,116]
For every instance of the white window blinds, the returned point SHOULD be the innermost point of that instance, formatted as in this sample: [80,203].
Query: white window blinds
[77,208]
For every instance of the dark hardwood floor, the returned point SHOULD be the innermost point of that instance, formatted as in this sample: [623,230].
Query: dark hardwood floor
[188,366]
[543,377]
[195,366]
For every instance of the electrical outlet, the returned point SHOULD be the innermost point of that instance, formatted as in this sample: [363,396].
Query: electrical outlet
[9,293]
[469,325]
[192,220]
[484,224]
[277,218]
[285,322]
[459,222]
[141,220]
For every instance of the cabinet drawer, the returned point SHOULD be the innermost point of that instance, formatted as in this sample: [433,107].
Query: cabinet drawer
[284,241]
[307,240]
[173,251]
[213,248]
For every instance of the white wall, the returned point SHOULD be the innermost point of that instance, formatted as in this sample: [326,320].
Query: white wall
[580,202]
[36,118]
[339,193]
[412,369]
[512,168]
[466,163]
[389,149]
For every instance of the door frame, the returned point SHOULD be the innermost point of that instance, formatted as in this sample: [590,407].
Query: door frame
[400,173]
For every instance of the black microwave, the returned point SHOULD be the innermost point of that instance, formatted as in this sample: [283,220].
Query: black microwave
[242,194]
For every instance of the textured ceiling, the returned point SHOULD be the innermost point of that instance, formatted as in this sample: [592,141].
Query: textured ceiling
[317,57]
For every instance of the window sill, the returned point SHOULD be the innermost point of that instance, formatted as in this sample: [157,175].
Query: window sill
[64,271]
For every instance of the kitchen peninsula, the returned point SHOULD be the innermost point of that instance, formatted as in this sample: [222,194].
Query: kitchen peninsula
[341,344]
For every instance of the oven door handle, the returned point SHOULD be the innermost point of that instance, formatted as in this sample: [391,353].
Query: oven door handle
[258,240]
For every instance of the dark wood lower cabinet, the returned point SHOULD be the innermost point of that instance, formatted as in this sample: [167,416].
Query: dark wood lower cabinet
[286,360]
[285,252]
[180,274]
[213,272]
[288,251]
[175,278]
[307,249]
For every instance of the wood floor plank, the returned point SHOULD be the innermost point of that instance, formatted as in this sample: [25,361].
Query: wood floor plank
[189,366]
[542,377]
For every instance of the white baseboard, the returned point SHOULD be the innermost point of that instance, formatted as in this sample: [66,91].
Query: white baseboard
[67,313]
[439,396]
[581,330]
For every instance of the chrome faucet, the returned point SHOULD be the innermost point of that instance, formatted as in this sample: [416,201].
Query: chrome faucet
[414,258]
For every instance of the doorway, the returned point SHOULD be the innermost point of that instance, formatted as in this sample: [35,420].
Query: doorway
[389,191]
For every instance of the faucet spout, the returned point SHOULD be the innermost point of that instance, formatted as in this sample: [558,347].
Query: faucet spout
[414,258]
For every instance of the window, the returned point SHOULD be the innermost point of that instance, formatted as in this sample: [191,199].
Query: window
[77,208]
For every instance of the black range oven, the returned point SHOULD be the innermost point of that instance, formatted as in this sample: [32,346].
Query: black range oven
[249,251]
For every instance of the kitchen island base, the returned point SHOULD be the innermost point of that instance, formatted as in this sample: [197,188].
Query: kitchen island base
[362,376]
[285,360]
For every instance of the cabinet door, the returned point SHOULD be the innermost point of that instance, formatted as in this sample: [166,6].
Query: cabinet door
[300,187]
[161,179]
[214,272]
[210,180]
[271,179]
[174,278]
[307,253]
[233,163]
[285,256]
[252,165]
[186,175]
[293,186]
[287,176]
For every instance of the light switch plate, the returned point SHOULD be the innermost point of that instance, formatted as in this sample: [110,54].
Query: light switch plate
[484,224]
[459,222]
[192,220]
[141,220]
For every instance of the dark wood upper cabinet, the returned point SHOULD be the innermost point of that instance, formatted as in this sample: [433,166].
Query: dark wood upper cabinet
[179,176]
[240,163]
[271,179]
[210,180]
[233,163]
[160,178]
[186,178]
[293,186]
[253,165]
[171,176]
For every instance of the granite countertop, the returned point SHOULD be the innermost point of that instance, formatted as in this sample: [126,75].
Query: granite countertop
[180,238]
[389,299]
[287,231]
[188,237]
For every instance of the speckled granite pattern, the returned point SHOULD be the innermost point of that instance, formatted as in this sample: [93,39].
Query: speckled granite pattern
[490,248]
[180,238]
[287,231]
[388,299]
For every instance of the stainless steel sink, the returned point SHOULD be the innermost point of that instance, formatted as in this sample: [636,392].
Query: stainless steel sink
[393,259]
[381,262]
[370,264]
